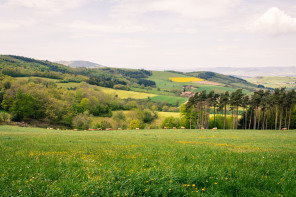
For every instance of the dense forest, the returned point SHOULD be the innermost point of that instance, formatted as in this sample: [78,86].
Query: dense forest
[17,66]
[43,103]
[261,110]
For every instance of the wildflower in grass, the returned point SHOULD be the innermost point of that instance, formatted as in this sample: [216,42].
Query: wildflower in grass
[226,179]
[193,185]
[203,189]
[170,189]
[216,183]
[146,190]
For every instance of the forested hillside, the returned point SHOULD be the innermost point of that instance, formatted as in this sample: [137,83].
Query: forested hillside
[16,66]
[55,94]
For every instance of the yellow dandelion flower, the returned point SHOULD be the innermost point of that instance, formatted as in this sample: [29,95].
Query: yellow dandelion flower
[216,183]
[146,190]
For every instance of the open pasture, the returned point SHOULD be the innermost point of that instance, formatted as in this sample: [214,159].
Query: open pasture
[274,82]
[44,162]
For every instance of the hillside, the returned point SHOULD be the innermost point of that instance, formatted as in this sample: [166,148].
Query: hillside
[139,80]
[274,82]
[80,63]
[250,71]
[228,81]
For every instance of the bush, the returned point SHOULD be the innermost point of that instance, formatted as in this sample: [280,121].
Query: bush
[136,123]
[105,124]
[4,117]
[118,116]
[170,122]
[82,121]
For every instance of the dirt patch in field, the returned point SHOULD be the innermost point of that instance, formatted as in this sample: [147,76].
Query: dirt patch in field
[208,83]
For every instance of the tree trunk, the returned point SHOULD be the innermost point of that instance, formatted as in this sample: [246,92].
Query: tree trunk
[236,117]
[276,116]
[255,118]
[214,116]
[195,122]
[190,118]
[259,118]
[290,117]
[281,117]
[202,117]
[233,123]
[246,119]
[286,117]
[250,119]
[224,117]
[263,121]
[266,120]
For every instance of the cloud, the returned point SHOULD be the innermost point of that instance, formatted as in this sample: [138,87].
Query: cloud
[6,24]
[274,22]
[47,5]
[103,28]
[192,9]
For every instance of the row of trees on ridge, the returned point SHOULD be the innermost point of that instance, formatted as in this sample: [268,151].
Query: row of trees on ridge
[261,110]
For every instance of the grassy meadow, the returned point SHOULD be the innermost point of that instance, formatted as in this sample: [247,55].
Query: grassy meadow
[274,81]
[40,162]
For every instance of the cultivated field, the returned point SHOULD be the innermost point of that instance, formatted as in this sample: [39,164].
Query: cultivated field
[274,82]
[43,162]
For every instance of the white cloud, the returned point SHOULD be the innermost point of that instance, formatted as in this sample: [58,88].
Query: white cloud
[13,24]
[274,22]
[193,9]
[46,5]
[104,28]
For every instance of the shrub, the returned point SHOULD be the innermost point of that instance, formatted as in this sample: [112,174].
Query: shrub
[105,124]
[170,122]
[118,116]
[136,123]
[82,121]
[4,117]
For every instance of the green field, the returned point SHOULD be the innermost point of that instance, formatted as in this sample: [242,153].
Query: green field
[169,99]
[274,82]
[40,162]
[123,94]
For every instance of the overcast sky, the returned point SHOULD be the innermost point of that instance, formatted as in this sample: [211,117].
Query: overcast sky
[152,34]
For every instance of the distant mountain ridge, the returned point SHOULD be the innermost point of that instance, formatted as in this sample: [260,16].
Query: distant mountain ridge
[80,63]
[251,71]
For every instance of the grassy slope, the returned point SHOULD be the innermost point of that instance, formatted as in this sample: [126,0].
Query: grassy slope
[123,94]
[274,82]
[164,83]
[146,163]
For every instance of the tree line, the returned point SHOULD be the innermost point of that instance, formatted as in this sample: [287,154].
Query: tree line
[264,109]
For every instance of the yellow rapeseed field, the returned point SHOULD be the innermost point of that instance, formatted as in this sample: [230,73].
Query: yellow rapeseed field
[185,79]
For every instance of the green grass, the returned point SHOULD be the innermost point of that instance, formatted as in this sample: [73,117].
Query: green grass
[164,83]
[169,99]
[274,82]
[123,94]
[169,114]
[43,78]
[43,162]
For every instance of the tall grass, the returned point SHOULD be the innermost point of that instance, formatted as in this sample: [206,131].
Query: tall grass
[43,162]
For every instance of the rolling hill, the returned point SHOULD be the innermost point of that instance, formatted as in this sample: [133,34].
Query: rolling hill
[80,63]
[250,71]
[157,83]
